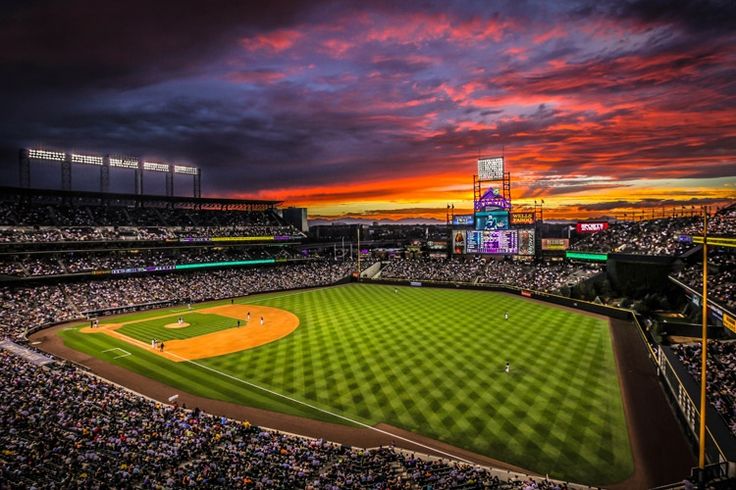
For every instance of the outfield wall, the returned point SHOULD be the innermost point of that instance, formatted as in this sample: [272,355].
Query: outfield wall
[601,309]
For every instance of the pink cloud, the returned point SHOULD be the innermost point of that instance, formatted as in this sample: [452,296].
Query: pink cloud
[276,41]
[256,76]
[337,48]
[554,33]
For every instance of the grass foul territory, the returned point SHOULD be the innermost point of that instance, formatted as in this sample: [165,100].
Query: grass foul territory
[432,361]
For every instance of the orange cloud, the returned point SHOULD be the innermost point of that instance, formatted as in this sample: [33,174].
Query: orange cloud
[275,41]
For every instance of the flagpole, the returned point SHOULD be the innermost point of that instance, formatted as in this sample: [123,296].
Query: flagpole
[704,349]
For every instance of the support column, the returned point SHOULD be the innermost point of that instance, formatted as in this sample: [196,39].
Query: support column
[66,173]
[139,178]
[198,183]
[105,174]
[25,169]
[170,181]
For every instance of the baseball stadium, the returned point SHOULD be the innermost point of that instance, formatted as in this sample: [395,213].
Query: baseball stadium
[375,245]
[492,353]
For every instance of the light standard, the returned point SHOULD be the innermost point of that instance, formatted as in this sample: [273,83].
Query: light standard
[541,210]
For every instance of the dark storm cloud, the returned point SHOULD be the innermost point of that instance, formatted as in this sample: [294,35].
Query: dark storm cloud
[302,96]
[78,44]
[708,15]
[650,204]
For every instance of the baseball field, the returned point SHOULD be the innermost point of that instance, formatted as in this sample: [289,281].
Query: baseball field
[431,361]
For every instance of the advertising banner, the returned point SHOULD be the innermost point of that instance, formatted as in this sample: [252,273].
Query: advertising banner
[592,226]
[526,218]
[555,243]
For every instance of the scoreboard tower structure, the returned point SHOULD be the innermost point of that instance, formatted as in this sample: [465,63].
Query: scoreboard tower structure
[493,229]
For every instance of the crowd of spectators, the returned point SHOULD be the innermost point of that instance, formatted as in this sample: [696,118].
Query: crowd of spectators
[45,264]
[30,265]
[540,276]
[202,286]
[451,270]
[90,215]
[722,223]
[27,307]
[128,233]
[721,382]
[650,237]
[721,278]
[44,222]
[65,428]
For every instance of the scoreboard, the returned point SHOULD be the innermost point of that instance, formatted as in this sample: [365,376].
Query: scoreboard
[492,220]
[504,242]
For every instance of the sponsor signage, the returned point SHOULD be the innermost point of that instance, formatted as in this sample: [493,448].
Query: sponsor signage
[555,243]
[458,242]
[225,264]
[150,268]
[463,220]
[526,242]
[729,322]
[719,241]
[526,293]
[592,226]
[592,256]
[522,218]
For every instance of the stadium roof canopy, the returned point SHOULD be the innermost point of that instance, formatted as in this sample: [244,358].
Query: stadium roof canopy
[142,200]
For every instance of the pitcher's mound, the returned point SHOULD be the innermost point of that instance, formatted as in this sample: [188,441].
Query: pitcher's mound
[176,325]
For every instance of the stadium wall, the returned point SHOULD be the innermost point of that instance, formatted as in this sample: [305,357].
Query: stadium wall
[610,311]
[630,273]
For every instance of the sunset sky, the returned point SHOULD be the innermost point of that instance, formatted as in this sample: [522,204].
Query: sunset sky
[380,109]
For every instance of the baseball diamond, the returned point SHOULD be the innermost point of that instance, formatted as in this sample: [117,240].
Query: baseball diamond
[429,361]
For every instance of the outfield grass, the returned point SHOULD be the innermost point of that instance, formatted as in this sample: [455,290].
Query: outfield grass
[430,361]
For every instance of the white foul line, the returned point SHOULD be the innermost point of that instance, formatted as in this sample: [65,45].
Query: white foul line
[118,348]
[294,400]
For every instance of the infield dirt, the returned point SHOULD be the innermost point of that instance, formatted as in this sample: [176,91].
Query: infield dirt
[277,323]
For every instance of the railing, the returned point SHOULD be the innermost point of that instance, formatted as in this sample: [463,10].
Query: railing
[720,445]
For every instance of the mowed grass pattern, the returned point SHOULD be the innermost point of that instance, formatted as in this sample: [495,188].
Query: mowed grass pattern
[432,361]
[199,324]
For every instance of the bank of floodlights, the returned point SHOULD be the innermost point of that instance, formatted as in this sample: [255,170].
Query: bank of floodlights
[104,162]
